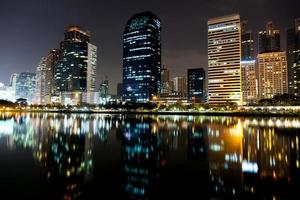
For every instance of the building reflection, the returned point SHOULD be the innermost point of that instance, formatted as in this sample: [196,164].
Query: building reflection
[225,158]
[141,158]
[65,153]
[248,158]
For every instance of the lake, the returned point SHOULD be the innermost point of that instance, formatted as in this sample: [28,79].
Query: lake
[99,156]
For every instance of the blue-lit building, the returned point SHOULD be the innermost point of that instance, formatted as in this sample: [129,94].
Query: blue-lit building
[25,86]
[141,57]
[196,80]
[75,72]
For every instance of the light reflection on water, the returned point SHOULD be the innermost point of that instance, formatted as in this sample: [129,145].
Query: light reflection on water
[153,157]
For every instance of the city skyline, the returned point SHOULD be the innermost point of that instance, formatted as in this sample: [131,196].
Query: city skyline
[183,35]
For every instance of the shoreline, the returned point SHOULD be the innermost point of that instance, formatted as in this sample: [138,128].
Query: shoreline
[183,113]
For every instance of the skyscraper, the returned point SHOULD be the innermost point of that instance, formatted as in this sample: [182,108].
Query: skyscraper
[269,39]
[293,58]
[103,91]
[196,80]
[141,57]
[51,61]
[180,86]
[25,86]
[119,90]
[249,83]
[165,81]
[75,73]
[224,60]
[13,82]
[40,88]
[272,74]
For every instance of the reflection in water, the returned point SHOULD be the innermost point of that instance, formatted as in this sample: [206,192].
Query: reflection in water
[243,157]
[141,158]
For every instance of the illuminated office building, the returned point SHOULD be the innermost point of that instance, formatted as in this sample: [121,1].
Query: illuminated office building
[180,86]
[293,58]
[7,93]
[166,88]
[51,61]
[13,82]
[195,85]
[40,89]
[249,82]
[141,57]
[224,60]
[75,73]
[25,86]
[272,74]
[269,39]
[103,92]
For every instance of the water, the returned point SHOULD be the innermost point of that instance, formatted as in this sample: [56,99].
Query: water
[83,156]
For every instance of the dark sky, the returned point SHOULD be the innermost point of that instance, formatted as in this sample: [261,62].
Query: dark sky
[29,28]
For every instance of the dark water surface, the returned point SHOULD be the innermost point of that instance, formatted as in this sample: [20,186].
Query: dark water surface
[86,156]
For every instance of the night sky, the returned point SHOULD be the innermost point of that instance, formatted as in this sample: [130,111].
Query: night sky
[30,28]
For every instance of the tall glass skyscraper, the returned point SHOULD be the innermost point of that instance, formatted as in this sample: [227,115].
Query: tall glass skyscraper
[293,58]
[75,73]
[224,60]
[25,86]
[249,82]
[196,79]
[141,57]
[269,39]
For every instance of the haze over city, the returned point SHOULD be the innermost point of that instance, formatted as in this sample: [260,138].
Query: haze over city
[29,29]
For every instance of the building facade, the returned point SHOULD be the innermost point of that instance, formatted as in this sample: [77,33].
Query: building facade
[272,74]
[141,57]
[165,82]
[249,81]
[179,87]
[41,83]
[75,72]
[13,83]
[293,58]
[25,86]
[196,82]
[7,93]
[224,60]
[269,39]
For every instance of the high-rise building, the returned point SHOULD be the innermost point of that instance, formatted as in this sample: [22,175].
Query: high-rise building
[103,91]
[272,74]
[269,39]
[7,93]
[249,82]
[51,60]
[196,80]
[25,86]
[293,58]
[180,86]
[224,60]
[165,88]
[75,73]
[119,90]
[141,57]
[13,82]
[40,88]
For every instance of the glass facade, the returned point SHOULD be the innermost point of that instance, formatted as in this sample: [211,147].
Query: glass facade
[224,60]
[249,83]
[293,58]
[141,57]
[269,40]
[25,86]
[196,80]
[72,72]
